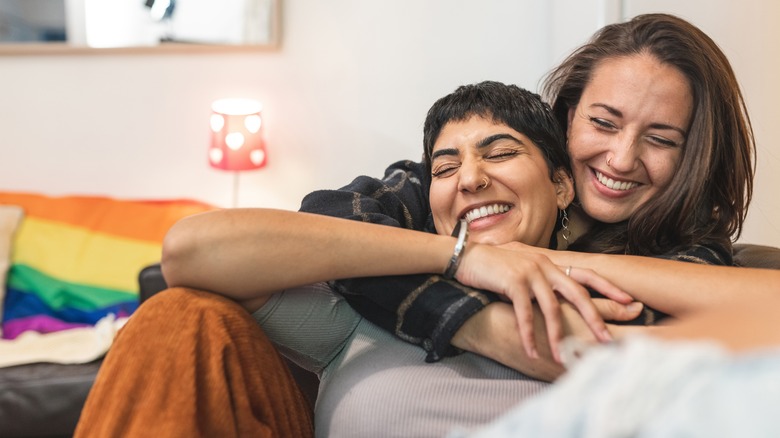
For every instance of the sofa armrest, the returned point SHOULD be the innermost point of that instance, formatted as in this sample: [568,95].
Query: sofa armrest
[151,281]
[756,256]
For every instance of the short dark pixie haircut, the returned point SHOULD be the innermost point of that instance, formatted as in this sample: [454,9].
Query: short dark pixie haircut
[510,105]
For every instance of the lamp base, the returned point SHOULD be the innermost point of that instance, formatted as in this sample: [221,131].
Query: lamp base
[235,189]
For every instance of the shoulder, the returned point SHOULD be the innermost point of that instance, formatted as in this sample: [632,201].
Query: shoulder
[400,178]
[407,170]
[399,198]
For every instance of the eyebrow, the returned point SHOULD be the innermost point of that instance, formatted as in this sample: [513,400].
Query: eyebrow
[485,142]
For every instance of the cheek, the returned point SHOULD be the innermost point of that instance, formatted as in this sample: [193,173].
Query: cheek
[663,167]
[541,213]
[581,144]
[539,196]
[440,202]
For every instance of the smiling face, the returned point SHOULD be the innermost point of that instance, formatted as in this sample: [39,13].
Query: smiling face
[627,133]
[498,180]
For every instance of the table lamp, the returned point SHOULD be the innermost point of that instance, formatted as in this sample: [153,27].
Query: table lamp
[237,142]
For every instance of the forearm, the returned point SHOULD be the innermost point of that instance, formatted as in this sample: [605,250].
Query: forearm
[739,326]
[246,253]
[675,287]
[492,333]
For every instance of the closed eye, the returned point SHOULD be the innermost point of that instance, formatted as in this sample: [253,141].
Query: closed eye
[602,123]
[444,170]
[663,141]
[502,154]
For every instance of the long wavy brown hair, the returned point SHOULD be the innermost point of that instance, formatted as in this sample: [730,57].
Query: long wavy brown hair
[708,197]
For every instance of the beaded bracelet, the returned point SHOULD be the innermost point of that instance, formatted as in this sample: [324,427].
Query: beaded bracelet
[463,233]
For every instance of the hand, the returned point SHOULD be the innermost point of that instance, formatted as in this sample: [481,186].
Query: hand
[522,274]
[492,333]
[610,311]
[574,325]
[615,311]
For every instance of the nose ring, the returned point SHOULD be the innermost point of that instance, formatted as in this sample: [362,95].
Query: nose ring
[484,183]
[608,160]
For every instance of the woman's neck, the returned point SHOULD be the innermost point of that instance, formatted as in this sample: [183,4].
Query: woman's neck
[579,224]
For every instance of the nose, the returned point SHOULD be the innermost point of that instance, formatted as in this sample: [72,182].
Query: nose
[624,153]
[472,176]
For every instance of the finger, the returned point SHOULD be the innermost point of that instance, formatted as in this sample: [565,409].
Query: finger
[614,311]
[551,310]
[600,284]
[575,294]
[521,303]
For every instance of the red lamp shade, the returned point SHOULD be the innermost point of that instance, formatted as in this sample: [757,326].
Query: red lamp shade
[237,135]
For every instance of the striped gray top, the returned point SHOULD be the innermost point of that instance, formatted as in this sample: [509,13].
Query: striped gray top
[373,384]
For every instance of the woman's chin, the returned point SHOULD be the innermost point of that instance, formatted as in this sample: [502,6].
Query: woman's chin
[606,212]
[488,238]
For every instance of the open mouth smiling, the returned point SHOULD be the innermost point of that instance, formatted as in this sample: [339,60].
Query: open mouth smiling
[614,185]
[485,211]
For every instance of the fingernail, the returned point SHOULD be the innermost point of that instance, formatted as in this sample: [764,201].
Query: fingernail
[636,306]
[606,335]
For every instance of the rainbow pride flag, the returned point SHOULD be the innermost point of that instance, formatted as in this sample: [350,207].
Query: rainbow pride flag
[76,259]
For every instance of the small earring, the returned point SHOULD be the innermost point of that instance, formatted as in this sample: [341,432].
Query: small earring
[566,232]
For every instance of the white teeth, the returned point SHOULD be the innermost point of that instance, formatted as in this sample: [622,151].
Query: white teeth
[485,211]
[615,185]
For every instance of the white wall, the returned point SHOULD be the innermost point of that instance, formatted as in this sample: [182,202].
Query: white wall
[346,94]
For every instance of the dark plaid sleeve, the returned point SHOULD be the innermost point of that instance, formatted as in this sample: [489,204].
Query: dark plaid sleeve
[421,309]
[705,254]
[400,199]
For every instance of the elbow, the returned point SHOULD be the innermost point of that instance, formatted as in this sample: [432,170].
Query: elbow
[176,247]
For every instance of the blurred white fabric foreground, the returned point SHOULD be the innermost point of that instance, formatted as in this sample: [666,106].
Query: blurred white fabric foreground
[642,387]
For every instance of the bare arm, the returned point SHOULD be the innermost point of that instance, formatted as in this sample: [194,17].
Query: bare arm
[247,254]
[739,326]
[674,287]
[493,333]
[526,276]
[677,288]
